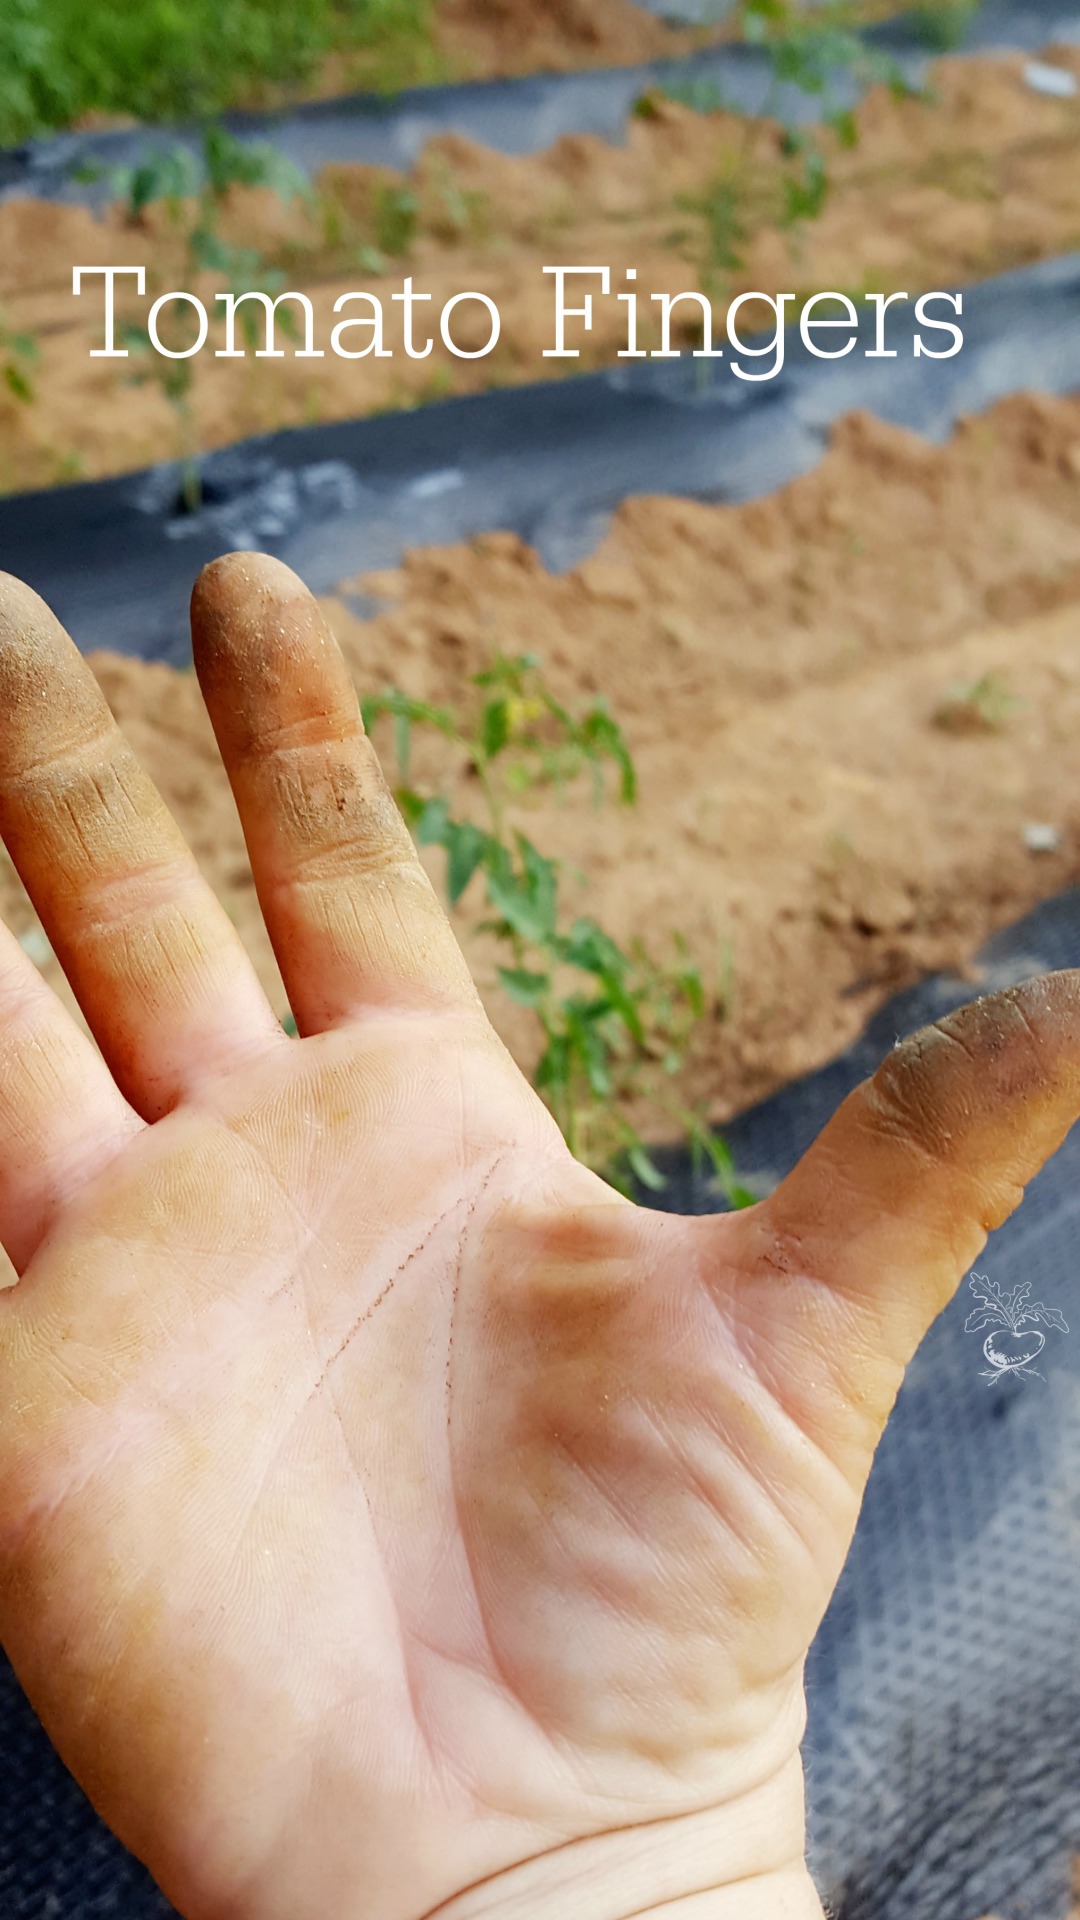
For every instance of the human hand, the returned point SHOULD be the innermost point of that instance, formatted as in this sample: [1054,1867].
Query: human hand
[394,1521]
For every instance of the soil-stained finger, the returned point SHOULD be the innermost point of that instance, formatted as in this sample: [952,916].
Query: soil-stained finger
[152,956]
[351,913]
[62,1117]
[860,1248]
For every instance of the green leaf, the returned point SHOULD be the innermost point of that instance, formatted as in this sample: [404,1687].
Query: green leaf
[553,1067]
[230,162]
[644,1169]
[586,1043]
[593,950]
[412,805]
[170,173]
[805,198]
[406,714]
[510,897]
[397,216]
[507,671]
[135,338]
[17,383]
[494,728]
[623,1004]
[760,18]
[176,382]
[528,989]
[209,252]
[690,986]
[466,846]
[433,823]
[526,900]
[600,732]
[845,126]
[542,879]
[738,1196]
[714,1148]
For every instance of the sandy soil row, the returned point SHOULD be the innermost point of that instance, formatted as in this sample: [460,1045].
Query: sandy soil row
[983,176]
[782,670]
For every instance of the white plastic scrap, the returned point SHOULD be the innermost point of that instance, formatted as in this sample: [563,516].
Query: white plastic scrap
[1056,81]
[428,486]
[1041,838]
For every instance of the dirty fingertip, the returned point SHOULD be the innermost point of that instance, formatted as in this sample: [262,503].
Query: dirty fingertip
[1015,1050]
[249,613]
[265,657]
[23,613]
[229,582]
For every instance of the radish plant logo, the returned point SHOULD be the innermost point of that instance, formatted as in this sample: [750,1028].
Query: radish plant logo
[1016,1339]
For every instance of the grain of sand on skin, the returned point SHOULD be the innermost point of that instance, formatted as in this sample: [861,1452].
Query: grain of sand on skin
[987,177]
[803,821]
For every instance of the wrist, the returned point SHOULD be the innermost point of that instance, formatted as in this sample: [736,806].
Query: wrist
[741,1861]
[786,1894]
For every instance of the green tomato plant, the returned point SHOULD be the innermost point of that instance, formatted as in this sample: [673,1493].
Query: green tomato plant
[194,188]
[19,355]
[613,1025]
[813,51]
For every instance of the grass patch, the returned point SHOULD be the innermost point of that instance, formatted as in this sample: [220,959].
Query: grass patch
[157,60]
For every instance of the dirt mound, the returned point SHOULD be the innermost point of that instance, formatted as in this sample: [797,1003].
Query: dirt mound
[853,707]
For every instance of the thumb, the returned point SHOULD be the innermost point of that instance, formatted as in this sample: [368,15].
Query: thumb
[860,1248]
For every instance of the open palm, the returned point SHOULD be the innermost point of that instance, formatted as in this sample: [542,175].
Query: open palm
[393,1520]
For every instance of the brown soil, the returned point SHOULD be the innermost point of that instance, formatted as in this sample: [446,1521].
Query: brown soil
[485,38]
[827,810]
[983,177]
